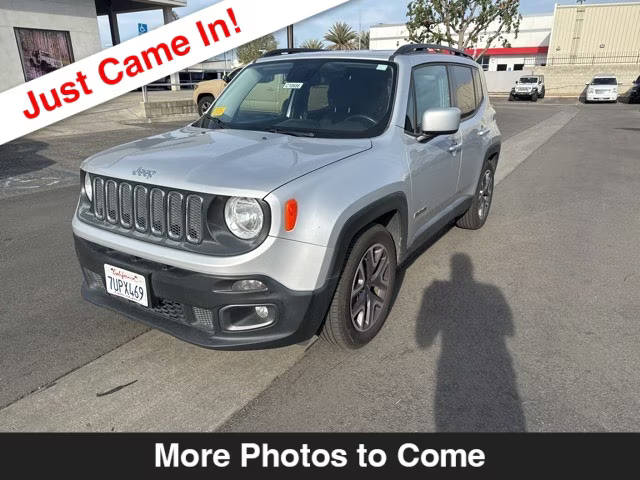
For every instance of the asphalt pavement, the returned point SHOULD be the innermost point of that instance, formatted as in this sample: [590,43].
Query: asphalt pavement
[537,329]
[528,324]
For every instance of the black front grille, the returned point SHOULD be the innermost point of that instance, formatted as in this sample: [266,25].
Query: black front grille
[164,213]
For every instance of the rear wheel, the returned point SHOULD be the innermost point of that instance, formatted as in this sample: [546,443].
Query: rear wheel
[478,212]
[363,296]
[204,103]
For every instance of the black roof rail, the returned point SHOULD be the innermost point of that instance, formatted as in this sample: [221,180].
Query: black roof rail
[425,47]
[287,51]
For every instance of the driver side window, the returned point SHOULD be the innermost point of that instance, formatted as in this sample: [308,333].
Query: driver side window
[431,90]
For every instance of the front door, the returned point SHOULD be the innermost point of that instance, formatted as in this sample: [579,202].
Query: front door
[434,164]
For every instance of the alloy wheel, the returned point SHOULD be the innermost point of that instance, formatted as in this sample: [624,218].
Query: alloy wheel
[484,194]
[370,288]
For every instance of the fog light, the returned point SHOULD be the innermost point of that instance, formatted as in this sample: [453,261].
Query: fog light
[248,286]
[240,318]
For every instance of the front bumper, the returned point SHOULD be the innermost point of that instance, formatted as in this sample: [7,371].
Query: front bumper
[602,97]
[187,304]
[526,94]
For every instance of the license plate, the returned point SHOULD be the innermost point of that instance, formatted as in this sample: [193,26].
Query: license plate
[125,284]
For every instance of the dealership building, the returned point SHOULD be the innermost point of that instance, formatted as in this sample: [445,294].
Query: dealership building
[582,34]
[529,49]
[38,36]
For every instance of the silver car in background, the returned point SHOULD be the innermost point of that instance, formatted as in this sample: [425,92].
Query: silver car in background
[285,211]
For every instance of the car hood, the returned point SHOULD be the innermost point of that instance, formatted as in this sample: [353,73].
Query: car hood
[223,162]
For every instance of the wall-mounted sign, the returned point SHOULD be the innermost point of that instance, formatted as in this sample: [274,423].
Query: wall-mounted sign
[43,51]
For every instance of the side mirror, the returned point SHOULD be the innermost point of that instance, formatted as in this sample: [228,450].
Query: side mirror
[516,82]
[587,84]
[440,121]
[226,78]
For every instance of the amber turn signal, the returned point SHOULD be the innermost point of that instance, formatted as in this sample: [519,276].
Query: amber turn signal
[290,214]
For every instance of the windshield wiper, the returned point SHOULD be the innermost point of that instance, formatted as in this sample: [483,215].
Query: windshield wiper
[293,133]
[217,121]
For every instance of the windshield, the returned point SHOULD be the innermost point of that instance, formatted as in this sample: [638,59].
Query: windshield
[319,97]
[604,81]
[529,80]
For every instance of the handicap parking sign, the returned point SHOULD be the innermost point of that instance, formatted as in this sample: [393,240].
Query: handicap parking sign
[142,28]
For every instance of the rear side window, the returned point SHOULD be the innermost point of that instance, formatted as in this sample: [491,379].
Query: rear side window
[477,81]
[431,89]
[462,81]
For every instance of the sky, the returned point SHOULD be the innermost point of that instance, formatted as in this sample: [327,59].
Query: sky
[360,14]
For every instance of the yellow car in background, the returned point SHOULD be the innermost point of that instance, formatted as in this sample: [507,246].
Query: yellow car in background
[206,92]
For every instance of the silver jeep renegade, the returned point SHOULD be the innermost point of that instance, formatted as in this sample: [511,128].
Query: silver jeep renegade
[285,211]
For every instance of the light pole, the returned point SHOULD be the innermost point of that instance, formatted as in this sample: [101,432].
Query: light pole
[290,36]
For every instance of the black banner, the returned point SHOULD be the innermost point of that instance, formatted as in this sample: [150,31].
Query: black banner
[338,455]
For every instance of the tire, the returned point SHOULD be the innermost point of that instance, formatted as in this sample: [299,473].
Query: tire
[511,97]
[543,93]
[204,103]
[476,216]
[534,96]
[345,326]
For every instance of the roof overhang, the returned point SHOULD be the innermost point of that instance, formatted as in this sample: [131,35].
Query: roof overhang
[125,6]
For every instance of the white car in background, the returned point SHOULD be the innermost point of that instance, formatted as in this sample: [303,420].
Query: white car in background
[603,88]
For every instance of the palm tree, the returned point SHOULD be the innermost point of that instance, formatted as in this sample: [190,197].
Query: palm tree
[363,40]
[313,43]
[342,37]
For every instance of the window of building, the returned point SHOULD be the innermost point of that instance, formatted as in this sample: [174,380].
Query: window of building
[502,67]
[484,61]
[464,90]
[518,66]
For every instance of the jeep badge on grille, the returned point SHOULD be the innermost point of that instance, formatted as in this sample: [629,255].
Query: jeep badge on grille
[141,172]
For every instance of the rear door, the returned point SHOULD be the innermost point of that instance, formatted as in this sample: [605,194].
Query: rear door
[434,164]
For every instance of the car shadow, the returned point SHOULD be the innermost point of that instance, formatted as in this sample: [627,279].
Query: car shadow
[22,156]
[476,383]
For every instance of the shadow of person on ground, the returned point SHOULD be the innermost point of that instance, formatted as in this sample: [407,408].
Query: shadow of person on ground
[476,383]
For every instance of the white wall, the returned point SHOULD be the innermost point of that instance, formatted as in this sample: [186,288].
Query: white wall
[503,82]
[75,16]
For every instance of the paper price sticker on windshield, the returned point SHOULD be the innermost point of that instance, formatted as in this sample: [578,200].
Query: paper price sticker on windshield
[293,85]
[218,111]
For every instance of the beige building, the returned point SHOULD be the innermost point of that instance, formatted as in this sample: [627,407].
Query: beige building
[595,33]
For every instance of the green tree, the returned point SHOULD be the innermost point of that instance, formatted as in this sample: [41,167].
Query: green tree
[313,43]
[342,37]
[463,23]
[363,41]
[248,52]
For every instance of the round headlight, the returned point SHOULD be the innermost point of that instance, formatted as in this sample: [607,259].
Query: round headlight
[244,217]
[88,187]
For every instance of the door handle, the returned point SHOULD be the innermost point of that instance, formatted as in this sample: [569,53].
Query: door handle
[482,132]
[455,147]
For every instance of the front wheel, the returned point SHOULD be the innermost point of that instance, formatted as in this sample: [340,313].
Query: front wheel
[363,296]
[534,96]
[476,216]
